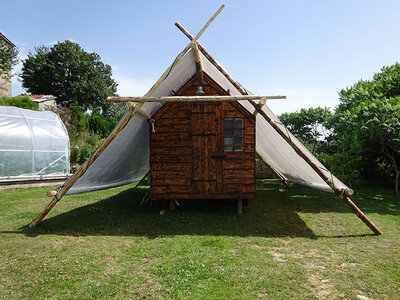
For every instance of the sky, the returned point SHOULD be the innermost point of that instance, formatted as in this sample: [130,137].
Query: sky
[307,50]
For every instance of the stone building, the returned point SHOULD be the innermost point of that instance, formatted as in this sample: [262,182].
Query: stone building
[5,81]
[44,102]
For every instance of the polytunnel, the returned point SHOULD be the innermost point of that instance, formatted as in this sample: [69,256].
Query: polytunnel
[32,143]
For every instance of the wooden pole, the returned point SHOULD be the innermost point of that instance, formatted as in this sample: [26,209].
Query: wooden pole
[141,180]
[261,103]
[193,98]
[144,113]
[198,63]
[240,206]
[316,168]
[116,130]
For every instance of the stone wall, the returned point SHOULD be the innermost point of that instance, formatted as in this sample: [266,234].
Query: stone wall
[5,86]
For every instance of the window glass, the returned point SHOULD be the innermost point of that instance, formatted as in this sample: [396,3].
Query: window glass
[238,123]
[239,132]
[228,123]
[228,141]
[233,134]
[238,140]
[228,132]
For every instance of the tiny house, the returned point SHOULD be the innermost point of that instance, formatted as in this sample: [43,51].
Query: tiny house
[202,150]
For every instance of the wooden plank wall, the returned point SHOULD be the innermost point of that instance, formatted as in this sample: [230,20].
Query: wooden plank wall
[171,153]
[239,167]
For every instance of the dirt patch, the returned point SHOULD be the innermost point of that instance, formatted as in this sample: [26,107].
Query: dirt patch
[362,297]
[262,295]
[321,288]
[279,257]
[348,265]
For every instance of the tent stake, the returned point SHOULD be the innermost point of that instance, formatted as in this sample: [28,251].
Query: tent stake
[316,168]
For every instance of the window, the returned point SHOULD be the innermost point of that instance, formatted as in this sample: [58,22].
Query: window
[233,134]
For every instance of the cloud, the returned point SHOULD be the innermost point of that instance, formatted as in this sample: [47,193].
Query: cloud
[130,84]
[53,42]
[16,84]
[303,98]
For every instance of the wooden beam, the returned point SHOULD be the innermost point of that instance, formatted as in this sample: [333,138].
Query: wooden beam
[198,64]
[341,194]
[208,23]
[261,103]
[192,98]
[144,113]
[240,206]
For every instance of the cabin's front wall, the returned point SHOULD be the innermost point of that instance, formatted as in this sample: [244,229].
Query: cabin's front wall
[187,152]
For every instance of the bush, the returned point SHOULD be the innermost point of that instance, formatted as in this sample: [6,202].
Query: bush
[100,125]
[347,167]
[84,153]
[18,101]
[93,141]
[74,155]
[79,119]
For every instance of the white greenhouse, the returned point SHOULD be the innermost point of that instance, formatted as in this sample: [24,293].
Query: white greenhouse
[32,143]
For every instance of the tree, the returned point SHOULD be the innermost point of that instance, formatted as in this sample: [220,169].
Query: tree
[368,118]
[309,125]
[69,73]
[8,58]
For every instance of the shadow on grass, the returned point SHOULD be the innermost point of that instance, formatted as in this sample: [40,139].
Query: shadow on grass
[369,198]
[273,214]
[122,215]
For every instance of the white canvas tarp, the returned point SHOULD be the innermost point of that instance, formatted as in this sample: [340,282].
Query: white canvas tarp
[126,159]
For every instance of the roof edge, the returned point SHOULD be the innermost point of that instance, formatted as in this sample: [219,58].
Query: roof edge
[7,40]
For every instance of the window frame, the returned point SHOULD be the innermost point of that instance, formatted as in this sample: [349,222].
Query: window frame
[234,127]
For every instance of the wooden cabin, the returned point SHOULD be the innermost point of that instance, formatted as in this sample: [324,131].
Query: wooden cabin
[202,150]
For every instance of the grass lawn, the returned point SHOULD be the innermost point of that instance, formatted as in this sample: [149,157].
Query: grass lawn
[297,243]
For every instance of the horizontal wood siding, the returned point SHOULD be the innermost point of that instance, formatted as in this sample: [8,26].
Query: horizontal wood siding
[171,152]
[238,168]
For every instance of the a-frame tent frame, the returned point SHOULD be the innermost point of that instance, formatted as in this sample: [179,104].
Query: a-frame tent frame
[195,45]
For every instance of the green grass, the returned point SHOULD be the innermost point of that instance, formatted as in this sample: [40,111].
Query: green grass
[288,244]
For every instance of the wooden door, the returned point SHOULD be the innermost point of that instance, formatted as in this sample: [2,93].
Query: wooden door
[207,149]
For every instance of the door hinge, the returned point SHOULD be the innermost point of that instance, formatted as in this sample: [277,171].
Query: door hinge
[202,134]
[215,156]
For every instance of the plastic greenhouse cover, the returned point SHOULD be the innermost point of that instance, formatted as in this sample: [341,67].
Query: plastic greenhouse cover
[32,143]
